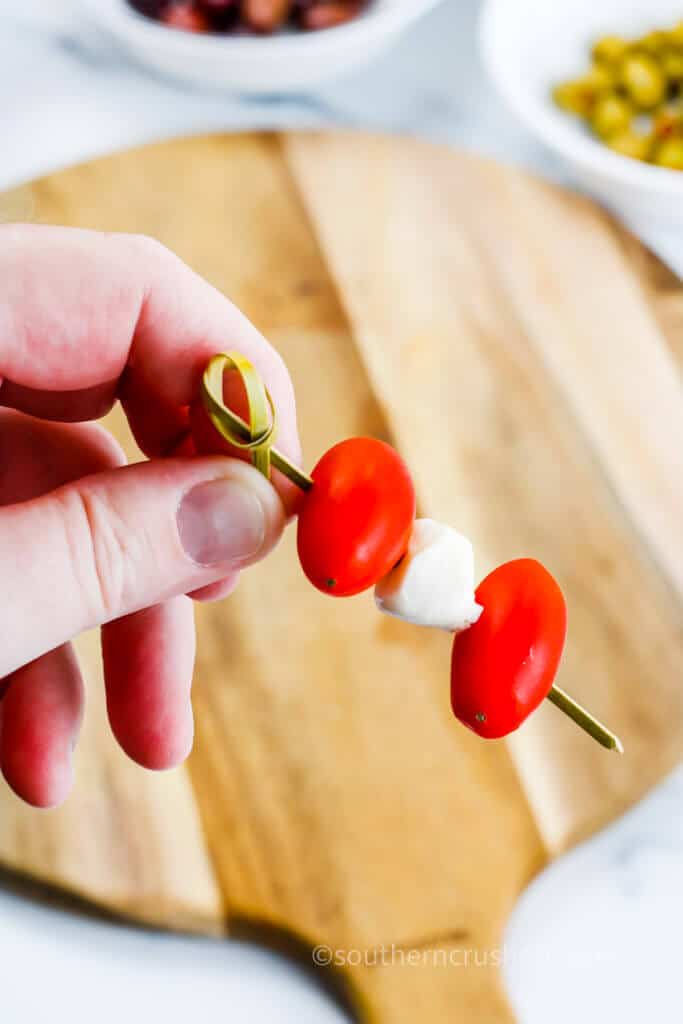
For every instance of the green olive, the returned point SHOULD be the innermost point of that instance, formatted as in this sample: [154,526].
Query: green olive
[600,78]
[672,65]
[609,50]
[632,144]
[653,43]
[579,95]
[675,35]
[572,97]
[632,95]
[612,115]
[669,154]
[643,80]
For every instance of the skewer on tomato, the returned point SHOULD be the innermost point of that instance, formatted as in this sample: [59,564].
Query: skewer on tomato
[505,664]
[355,527]
[355,522]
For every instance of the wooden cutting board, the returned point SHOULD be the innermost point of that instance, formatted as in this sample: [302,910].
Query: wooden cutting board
[525,355]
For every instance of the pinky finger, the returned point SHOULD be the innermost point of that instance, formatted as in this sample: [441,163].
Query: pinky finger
[41,711]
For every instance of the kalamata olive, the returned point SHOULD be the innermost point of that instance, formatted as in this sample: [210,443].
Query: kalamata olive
[223,14]
[265,16]
[185,14]
[150,8]
[329,13]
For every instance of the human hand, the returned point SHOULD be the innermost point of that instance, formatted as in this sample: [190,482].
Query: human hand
[86,319]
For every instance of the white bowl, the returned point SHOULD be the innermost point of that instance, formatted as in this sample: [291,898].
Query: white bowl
[529,45]
[284,62]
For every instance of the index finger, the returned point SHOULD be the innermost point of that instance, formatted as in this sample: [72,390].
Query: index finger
[88,314]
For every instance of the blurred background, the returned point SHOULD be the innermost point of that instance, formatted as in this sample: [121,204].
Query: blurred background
[70,93]
[596,935]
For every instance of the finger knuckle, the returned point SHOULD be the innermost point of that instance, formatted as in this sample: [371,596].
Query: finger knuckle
[102,552]
[147,248]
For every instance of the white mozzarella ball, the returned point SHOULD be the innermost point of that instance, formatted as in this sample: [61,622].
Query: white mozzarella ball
[433,584]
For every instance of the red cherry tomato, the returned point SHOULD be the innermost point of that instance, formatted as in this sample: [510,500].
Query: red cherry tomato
[504,665]
[355,522]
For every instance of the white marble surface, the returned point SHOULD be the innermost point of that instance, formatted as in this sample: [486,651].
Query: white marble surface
[66,95]
[596,937]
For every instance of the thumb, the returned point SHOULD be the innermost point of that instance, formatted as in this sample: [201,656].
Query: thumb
[115,542]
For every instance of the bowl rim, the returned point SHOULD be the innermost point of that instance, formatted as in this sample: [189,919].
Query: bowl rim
[124,20]
[554,127]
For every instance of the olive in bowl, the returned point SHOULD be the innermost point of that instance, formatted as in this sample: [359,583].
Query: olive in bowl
[243,16]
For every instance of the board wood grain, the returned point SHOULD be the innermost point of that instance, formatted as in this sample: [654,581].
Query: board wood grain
[524,354]
[516,332]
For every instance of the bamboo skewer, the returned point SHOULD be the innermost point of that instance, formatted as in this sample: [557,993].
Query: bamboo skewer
[258,436]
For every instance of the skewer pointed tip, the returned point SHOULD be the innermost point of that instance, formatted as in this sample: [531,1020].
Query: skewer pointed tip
[585,720]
